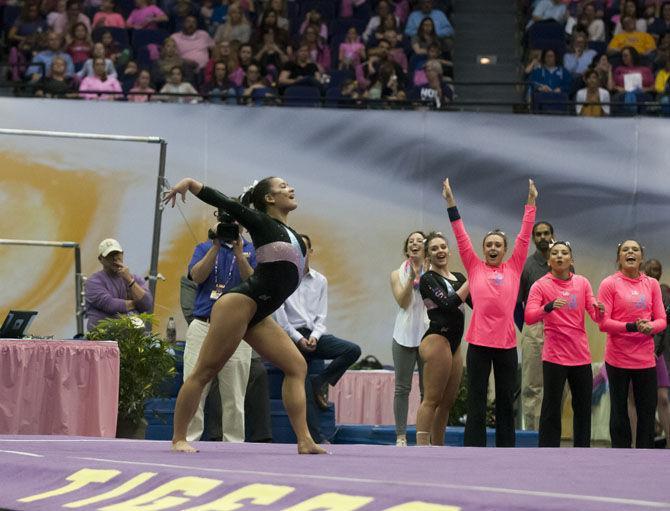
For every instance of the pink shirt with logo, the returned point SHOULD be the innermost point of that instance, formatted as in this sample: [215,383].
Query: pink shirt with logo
[494,289]
[625,301]
[565,340]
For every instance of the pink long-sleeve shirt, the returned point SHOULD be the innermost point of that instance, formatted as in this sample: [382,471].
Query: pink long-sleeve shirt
[627,300]
[494,289]
[565,340]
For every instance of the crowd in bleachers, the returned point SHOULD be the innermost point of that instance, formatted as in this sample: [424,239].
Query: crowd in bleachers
[610,56]
[232,51]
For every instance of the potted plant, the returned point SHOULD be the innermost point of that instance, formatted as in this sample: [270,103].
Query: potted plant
[146,361]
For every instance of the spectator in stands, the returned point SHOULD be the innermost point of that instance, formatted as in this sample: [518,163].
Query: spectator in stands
[193,44]
[319,51]
[236,26]
[113,51]
[351,51]
[246,56]
[641,41]
[388,22]
[98,52]
[303,317]
[632,82]
[661,25]
[270,22]
[534,62]
[180,11]
[145,16]
[301,72]
[424,37]
[279,8]
[107,17]
[662,51]
[602,66]
[546,10]
[41,62]
[81,45]
[550,77]
[380,55]
[579,59]
[170,58]
[437,91]
[434,53]
[597,98]
[313,17]
[629,8]
[142,91]
[349,93]
[254,81]
[591,23]
[114,290]
[662,87]
[57,84]
[443,28]
[63,22]
[271,56]
[100,82]
[385,83]
[129,76]
[28,28]
[383,10]
[220,89]
[184,91]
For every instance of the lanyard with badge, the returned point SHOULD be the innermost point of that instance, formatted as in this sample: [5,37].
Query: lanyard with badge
[220,286]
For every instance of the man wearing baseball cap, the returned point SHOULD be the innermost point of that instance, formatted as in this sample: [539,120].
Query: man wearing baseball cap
[114,290]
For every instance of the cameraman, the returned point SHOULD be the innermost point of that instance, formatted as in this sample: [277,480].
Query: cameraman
[217,266]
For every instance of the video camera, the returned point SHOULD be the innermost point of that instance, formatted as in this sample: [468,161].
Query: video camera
[227,230]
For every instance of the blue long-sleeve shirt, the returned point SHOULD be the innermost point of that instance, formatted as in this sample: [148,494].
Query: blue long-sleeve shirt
[46,57]
[442,26]
[554,78]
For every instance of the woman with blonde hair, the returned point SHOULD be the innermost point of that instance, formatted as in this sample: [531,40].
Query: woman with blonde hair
[236,27]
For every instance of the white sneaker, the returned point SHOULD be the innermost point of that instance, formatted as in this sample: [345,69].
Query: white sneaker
[401,442]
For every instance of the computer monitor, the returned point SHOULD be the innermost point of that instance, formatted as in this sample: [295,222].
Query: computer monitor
[16,323]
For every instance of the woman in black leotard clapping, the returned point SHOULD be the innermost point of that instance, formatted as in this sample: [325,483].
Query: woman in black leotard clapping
[242,312]
[443,293]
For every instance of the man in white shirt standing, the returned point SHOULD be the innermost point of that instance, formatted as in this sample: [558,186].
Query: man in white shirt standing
[303,317]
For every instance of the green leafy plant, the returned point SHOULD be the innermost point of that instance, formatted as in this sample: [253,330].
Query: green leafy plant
[146,361]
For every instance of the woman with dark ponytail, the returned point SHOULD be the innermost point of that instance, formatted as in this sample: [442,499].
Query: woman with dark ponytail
[243,311]
[634,313]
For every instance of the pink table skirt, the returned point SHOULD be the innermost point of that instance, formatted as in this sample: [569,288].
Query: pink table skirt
[58,387]
[366,397]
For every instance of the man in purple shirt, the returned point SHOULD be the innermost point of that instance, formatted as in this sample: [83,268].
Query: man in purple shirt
[114,290]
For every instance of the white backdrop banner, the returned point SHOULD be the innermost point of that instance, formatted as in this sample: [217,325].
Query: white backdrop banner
[364,180]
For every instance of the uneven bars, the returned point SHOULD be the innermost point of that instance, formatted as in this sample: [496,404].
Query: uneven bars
[78,278]
[88,136]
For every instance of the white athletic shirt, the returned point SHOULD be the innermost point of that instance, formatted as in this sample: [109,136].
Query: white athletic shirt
[410,323]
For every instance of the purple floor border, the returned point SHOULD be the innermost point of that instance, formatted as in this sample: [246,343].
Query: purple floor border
[60,473]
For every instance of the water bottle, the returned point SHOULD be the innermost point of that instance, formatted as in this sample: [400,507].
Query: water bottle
[171,332]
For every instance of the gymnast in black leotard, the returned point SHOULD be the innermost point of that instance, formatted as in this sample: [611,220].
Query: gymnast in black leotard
[443,293]
[280,254]
[243,312]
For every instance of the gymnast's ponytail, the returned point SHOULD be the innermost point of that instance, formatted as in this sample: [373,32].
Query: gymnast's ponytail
[255,194]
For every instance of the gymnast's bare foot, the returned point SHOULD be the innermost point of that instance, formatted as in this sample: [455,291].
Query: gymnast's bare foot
[183,446]
[309,447]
